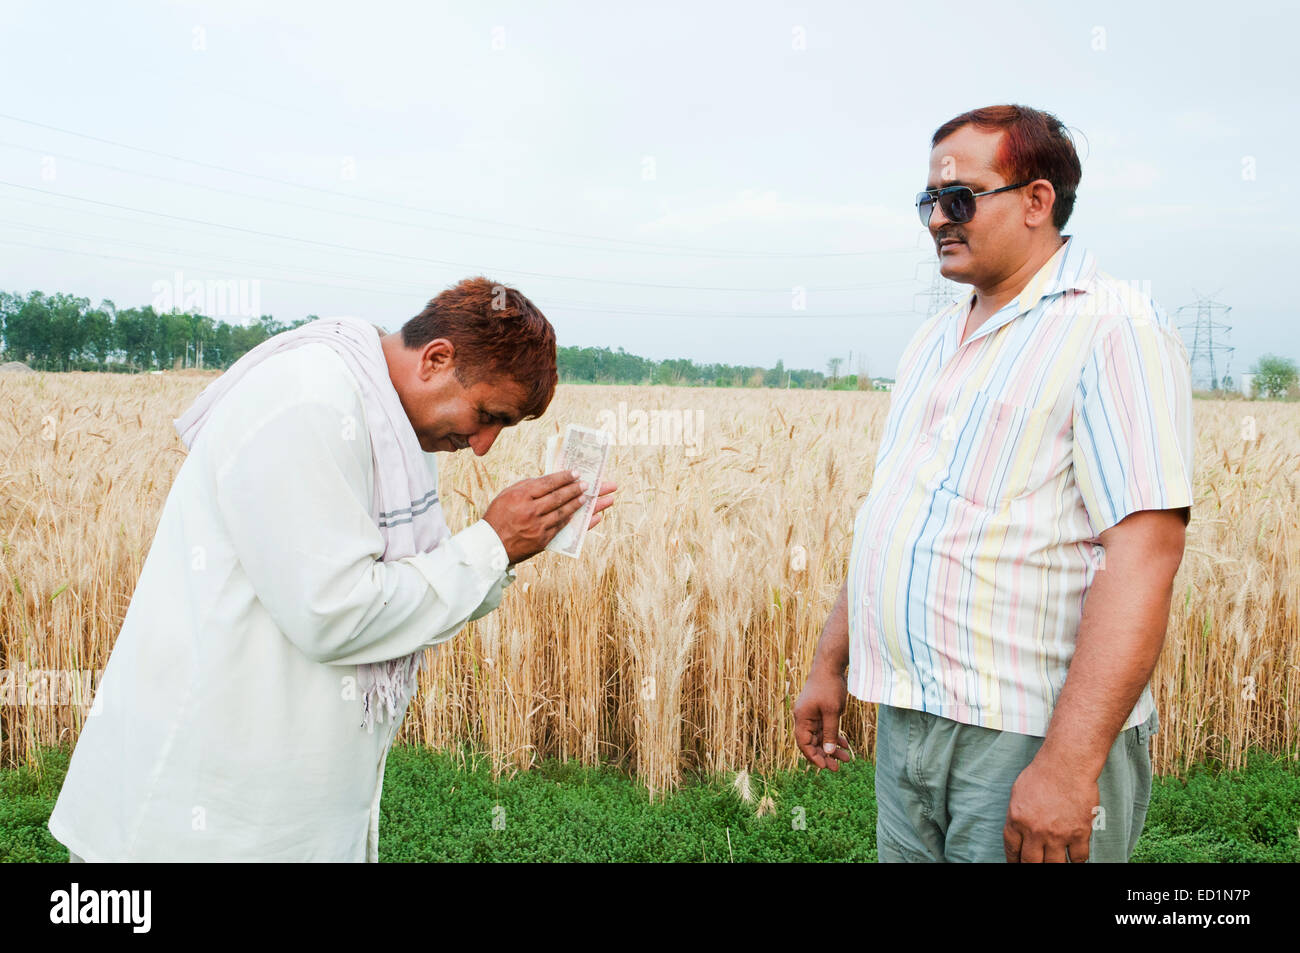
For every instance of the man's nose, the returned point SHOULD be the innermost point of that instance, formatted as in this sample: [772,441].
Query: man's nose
[481,442]
[937,219]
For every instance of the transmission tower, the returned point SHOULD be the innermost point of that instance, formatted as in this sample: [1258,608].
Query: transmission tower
[1209,356]
[940,293]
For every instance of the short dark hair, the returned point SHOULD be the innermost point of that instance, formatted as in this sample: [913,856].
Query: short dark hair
[496,332]
[1036,146]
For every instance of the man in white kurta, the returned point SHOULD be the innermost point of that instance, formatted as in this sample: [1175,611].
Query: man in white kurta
[226,722]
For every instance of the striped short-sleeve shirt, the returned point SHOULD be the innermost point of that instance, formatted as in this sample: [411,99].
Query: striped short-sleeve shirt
[1004,457]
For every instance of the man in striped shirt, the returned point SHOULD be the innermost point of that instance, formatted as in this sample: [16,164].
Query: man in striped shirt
[1012,567]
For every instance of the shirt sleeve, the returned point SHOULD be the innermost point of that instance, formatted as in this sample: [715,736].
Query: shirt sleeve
[294,497]
[1133,424]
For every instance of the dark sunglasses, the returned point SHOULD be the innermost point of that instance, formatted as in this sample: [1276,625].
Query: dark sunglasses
[957,202]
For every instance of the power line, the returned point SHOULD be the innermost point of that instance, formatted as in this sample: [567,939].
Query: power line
[418,286]
[148,261]
[394,255]
[194,256]
[790,315]
[425,226]
[428,211]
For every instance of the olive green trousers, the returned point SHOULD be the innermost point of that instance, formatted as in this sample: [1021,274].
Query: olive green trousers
[943,789]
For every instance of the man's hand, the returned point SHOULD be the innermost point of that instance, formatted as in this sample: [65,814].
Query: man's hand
[1051,812]
[527,515]
[817,718]
[817,711]
[603,500]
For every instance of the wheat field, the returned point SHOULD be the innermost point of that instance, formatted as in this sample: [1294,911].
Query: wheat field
[680,640]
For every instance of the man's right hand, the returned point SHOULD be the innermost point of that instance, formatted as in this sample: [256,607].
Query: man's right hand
[527,515]
[817,718]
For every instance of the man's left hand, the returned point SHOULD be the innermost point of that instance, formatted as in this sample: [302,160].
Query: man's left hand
[1051,811]
[604,499]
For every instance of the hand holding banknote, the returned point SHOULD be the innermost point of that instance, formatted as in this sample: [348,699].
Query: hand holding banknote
[527,515]
[585,451]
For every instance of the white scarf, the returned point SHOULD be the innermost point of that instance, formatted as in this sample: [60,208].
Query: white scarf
[410,515]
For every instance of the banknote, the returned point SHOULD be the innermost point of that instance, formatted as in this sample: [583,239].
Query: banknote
[586,450]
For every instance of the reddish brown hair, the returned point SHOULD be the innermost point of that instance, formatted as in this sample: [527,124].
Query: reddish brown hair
[496,332]
[1035,146]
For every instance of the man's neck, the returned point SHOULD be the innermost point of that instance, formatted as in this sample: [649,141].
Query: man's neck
[394,351]
[989,301]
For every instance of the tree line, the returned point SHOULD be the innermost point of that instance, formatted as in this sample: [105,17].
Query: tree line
[600,365]
[62,332]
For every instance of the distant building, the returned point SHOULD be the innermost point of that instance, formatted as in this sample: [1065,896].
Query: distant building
[882,383]
[1247,384]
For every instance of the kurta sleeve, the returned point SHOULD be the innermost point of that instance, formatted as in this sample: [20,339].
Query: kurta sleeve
[294,496]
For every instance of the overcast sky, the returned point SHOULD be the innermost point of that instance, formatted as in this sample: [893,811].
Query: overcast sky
[657,177]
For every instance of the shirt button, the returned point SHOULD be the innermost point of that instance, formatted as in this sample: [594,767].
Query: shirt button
[924,438]
[866,602]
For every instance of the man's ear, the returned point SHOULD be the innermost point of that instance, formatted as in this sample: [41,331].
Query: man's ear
[438,355]
[1040,200]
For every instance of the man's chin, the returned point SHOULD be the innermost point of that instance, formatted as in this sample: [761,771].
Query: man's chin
[954,271]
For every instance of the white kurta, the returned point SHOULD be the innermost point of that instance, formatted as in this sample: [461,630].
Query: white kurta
[227,722]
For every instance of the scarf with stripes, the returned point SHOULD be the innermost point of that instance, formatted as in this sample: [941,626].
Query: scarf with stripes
[408,513]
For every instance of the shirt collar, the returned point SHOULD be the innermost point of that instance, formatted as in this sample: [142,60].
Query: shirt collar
[1071,268]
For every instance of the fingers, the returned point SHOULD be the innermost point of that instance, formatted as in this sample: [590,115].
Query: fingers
[1054,854]
[830,749]
[552,481]
[562,514]
[1039,850]
[564,493]
[1011,841]
[603,501]
[807,735]
[1079,850]
[1031,850]
[842,752]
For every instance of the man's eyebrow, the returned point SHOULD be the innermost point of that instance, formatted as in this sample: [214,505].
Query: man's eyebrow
[951,182]
[508,416]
